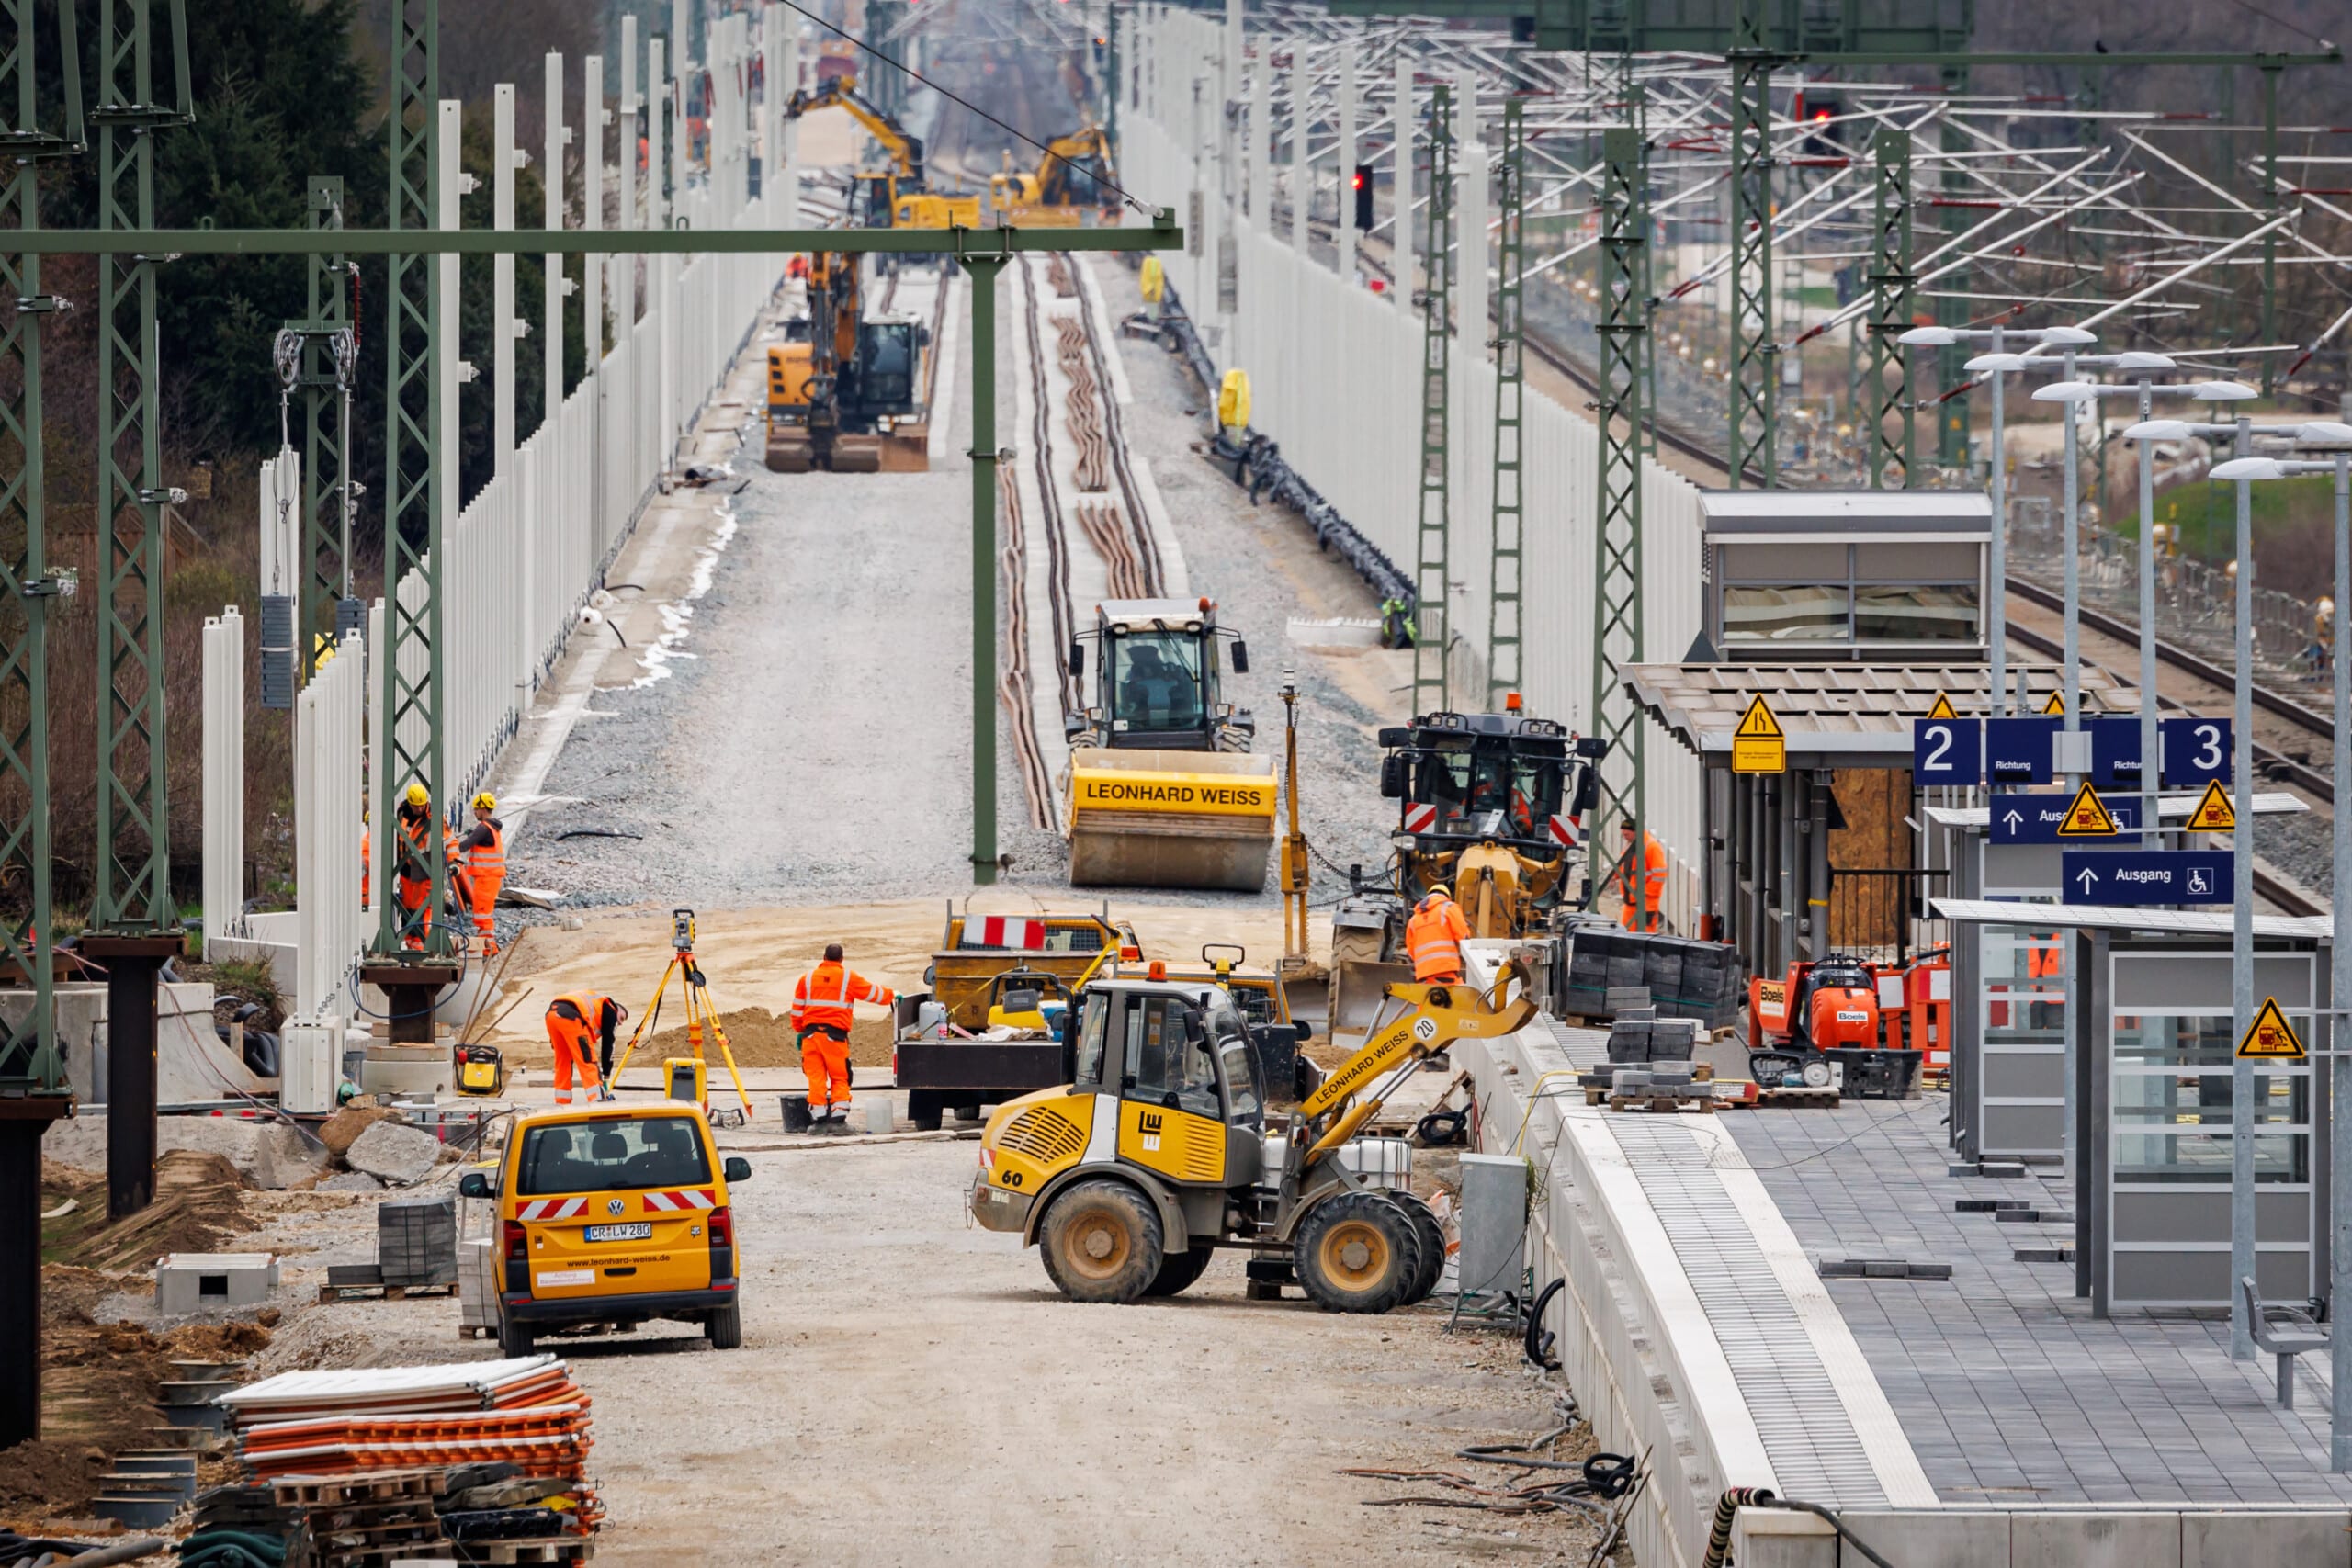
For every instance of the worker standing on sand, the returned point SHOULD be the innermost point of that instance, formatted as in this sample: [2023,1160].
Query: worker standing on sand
[821,1013]
[577,1024]
[1433,938]
[1645,918]
[483,852]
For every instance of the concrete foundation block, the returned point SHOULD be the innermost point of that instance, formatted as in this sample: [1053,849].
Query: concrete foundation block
[1934,1538]
[1772,1538]
[2323,1539]
[2057,1540]
[189,1283]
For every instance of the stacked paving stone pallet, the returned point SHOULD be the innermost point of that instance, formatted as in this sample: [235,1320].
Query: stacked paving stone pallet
[1686,978]
[491,1456]
[1649,1066]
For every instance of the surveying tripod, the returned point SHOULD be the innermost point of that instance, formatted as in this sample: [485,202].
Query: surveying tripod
[701,1014]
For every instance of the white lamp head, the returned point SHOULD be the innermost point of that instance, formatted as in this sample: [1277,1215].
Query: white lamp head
[2139,359]
[1928,337]
[2000,364]
[2324,433]
[2249,468]
[2066,392]
[2068,337]
[2223,391]
[2158,430]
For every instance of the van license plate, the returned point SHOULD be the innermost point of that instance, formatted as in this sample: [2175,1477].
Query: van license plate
[641,1231]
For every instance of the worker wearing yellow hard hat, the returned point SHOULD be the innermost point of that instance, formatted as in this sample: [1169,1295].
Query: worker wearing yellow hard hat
[1433,937]
[483,852]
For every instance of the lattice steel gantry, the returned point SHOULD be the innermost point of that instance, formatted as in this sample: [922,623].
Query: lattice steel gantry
[1891,286]
[1431,620]
[1617,530]
[1505,576]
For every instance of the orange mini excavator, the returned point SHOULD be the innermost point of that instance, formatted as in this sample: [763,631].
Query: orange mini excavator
[1825,1004]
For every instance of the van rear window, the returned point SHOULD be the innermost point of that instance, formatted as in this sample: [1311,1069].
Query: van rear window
[605,1155]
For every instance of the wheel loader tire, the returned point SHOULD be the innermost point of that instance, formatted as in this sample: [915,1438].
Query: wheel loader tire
[1432,1236]
[1179,1271]
[1358,1252]
[1101,1242]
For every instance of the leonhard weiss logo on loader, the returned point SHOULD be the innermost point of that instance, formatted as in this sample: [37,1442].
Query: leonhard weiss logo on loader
[1148,1123]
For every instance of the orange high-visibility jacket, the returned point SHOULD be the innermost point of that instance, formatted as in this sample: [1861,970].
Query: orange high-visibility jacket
[1652,886]
[484,858]
[578,1019]
[824,996]
[1433,937]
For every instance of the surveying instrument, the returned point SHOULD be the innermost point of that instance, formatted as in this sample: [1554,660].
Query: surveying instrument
[683,1077]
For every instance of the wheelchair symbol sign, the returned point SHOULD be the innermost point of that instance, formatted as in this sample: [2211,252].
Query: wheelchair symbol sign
[2200,880]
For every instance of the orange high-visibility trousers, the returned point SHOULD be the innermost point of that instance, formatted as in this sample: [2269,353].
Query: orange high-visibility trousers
[575,1051]
[825,1061]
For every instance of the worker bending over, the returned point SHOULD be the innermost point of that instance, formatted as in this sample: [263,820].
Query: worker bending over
[1433,939]
[1643,917]
[483,853]
[577,1025]
[821,1013]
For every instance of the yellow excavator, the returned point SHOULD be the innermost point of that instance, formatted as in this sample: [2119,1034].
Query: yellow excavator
[899,197]
[1158,1152]
[837,387]
[1073,179]
[1162,789]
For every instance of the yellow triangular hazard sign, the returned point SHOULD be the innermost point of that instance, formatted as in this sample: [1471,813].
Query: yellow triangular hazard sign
[2056,706]
[2271,1034]
[2087,818]
[1943,708]
[1758,723]
[2214,813]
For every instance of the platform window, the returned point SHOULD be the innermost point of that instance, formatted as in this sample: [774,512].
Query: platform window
[2173,1097]
[1817,612]
[1916,613]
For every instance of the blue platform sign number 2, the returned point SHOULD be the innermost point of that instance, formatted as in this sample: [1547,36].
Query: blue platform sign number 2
[1946,750]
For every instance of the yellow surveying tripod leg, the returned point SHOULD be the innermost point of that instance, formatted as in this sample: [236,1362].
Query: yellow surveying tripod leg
[643,1019]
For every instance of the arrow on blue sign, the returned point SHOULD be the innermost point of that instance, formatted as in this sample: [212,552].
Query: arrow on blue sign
[2023,818]
[2148,876]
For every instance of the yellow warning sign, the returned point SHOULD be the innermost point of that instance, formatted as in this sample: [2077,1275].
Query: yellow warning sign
[1943,708]
[2213,814]
[2089,816]
[1759,745]
[2271,1034]
[2056,706]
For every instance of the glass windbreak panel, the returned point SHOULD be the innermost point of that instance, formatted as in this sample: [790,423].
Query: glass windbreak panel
[1798,613]
[1155,683]
[2163,1040]
[2174,1156]
[1915,612]
[2020,958]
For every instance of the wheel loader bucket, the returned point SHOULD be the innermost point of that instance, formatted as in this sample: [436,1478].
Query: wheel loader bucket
[1357,990]
[857,454]
[1148,818]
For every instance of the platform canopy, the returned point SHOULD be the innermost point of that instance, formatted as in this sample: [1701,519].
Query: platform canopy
[1840,716]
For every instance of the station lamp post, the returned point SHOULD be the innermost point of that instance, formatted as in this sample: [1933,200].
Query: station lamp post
[1996,367]
[2337,439]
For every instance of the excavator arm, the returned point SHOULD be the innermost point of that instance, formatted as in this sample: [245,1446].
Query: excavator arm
[905,148]
[1433,1018]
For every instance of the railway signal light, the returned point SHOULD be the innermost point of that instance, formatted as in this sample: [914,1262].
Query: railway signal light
[1362,188]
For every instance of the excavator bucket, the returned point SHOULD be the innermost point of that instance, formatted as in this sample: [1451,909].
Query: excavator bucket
[790,453]
[1358,987]
[1150,818]
[857,454]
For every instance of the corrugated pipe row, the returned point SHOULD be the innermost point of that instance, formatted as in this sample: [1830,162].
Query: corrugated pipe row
[1259,466]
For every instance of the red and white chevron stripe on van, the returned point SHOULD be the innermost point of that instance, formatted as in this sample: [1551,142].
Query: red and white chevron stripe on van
[692,1198]
[1420,819]
[552,1209]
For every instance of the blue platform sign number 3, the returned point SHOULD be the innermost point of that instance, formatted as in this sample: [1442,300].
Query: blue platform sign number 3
[1946,752]
[2197,751]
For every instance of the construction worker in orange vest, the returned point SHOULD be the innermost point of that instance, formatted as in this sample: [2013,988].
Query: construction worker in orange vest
[1644,918]
[412,872]
[577,1023]
[821,1013]
[483,852]
[1433,938]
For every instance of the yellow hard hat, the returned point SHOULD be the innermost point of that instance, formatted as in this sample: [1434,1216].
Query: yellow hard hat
[485,801]
[1440,890]
[416,795]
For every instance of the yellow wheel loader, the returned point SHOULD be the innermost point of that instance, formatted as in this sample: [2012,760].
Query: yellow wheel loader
[1128,1179]
[1073,183]
[1162,789]
[1491,805]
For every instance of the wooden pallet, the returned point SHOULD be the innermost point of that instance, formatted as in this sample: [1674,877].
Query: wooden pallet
[1796,1099]
[1662,1104]
[475,1331]
[556,1548]
[329,1294]
[369,1486]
